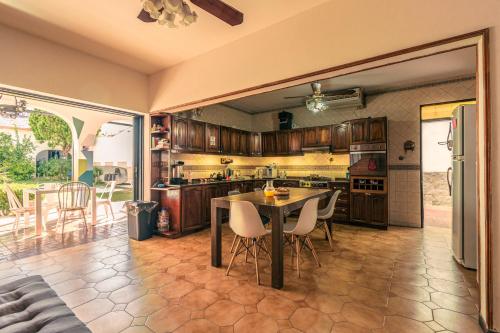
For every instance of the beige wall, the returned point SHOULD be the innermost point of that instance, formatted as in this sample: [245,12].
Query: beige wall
[350,31]
[32,63]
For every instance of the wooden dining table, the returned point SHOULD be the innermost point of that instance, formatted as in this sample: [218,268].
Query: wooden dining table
[40,192]
[270,206]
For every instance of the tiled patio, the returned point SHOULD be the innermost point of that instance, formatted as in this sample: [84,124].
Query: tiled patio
[400,280]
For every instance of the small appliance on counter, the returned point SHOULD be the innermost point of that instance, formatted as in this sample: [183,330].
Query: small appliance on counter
[314,181]
[178,173]
[271,171]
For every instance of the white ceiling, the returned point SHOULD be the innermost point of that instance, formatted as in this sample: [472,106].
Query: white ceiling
[437,68]
[109,28]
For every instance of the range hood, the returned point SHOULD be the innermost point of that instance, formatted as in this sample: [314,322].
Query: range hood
[319,148]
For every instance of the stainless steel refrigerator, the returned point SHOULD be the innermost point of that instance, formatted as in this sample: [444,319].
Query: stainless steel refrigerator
[463,185]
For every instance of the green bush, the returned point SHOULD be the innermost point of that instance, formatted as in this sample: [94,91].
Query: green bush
[16,157]
[54,168]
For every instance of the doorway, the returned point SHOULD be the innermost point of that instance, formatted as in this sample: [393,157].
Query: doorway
[436,155]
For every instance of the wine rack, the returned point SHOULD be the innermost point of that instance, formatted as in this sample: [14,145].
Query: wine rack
[369,184]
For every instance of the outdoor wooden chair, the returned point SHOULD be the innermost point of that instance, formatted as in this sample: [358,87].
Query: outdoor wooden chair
[73,197]
[17,208]
[109,189]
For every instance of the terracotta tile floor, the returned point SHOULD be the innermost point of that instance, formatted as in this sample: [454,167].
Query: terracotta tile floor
[400,280]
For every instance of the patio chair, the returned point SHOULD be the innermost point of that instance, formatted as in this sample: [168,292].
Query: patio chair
[109,189]
[73,197]
[17,208]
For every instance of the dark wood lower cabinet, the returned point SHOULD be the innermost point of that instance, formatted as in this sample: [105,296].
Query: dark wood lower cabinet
[341,212]
[370,209]
[209,192]
[192,212]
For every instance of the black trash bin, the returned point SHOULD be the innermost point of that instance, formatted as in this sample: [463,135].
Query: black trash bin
[139,219]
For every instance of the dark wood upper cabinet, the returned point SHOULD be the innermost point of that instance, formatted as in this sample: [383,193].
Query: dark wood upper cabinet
[255,147]
[377,131]
[317,136]
[225,140]
[179,133]
[269,143]
[212,138]
[235,141]
[340,138]
[359,131]
[295,142]
[309,137]
[282,142]
[368,130]
[196,136]
[244,143]
[192,218]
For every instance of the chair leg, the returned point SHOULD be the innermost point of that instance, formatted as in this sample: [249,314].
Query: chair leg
[297,249]
[328,234]
[84,218]
[247,249]
[26,219]
[256,260]
[238,245]
[264,243]
[234,243]
[111,210]
[308,241]
[15,226]
[292,244]
[63,221]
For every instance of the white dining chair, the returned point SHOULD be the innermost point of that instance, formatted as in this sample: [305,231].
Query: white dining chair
[325,214]
[245,222]
[73,197]
[297,234]
[106,196]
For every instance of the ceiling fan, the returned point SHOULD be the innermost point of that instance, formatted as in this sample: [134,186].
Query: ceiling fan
[173,12]
[319,100]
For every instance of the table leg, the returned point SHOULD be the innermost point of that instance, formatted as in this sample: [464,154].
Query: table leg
[26,203]
[93,205]
[277,245]
[38,213]
[216,234]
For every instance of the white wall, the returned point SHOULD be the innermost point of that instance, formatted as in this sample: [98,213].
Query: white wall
[435,157]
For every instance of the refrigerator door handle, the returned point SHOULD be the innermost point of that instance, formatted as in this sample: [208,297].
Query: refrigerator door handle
[448,179]
[449,140]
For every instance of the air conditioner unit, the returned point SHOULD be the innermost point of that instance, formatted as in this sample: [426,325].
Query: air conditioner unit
[347,98]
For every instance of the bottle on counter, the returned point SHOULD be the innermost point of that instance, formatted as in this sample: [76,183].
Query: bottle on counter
[163,223]
[269,189]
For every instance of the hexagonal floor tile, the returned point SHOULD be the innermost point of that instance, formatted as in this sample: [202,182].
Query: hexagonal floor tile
[199,299]
[93,309]
[362,315]
[146,305]
[112,284]
[409,309]
[310,320]
[255,322]
[224,312]
[456,322]
[246,294]
[168,319]
[396,324]
[112,322]
[198,326]
[277,307]
[177,289]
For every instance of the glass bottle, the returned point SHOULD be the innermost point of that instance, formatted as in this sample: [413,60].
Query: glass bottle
[269,189]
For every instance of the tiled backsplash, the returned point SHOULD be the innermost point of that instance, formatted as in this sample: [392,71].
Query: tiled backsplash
[323,164]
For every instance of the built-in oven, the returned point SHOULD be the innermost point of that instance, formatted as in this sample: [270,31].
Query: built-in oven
[368,160]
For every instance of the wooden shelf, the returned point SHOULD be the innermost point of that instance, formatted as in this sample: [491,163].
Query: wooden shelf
[159,132]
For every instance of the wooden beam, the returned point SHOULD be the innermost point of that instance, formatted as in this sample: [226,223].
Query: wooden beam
[220,10]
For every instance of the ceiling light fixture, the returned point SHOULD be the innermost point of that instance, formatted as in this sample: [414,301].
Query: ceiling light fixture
[171,13]
[316,104]
[12,111]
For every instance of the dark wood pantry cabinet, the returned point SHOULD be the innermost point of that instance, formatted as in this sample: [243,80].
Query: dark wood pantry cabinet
[340,138]
[317,136]
[368,130]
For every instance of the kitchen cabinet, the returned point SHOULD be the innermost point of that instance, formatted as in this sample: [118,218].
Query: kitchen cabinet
[259,183]
[285,183]
[269,143]
[368,130]
[209,192]
[377,130]
[341,212]
[212,138]
[196,136]
[179,134]
[295,142]
[192,208]
[282,142]
[368,208]
[244,143]
[340,138]
[317,136]
[225,140]
[255,148]
[235,142]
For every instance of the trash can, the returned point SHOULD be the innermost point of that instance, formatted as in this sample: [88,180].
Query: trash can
[139,219]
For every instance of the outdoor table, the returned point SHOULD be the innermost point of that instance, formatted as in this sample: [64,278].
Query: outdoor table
[38,193]
[273,205]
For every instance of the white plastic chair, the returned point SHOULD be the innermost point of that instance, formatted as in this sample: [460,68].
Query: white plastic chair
[297,234]
[109,189]
[325,214]
[250,233]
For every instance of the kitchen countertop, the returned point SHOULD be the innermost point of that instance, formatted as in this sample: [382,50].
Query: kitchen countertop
[167,187]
